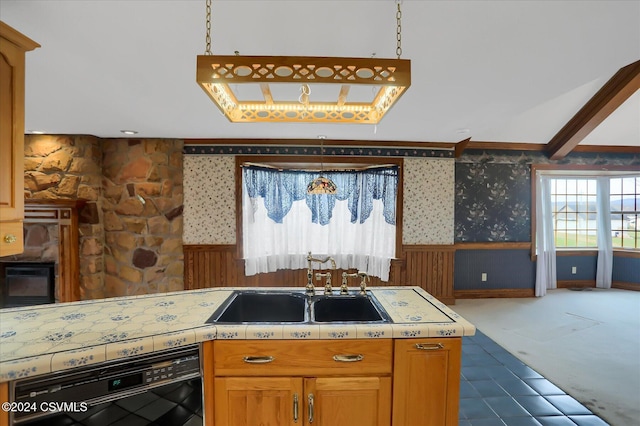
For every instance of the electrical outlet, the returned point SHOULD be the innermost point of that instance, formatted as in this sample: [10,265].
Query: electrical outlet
[484,276]
[574,270]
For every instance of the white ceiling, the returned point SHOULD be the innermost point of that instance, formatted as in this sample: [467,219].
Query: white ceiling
[508,71]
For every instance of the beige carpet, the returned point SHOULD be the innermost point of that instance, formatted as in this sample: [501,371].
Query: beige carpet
[585,342]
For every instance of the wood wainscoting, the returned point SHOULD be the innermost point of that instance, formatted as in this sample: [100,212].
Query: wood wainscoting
[430,267]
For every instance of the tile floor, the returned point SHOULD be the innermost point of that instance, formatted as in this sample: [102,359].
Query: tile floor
[497,389]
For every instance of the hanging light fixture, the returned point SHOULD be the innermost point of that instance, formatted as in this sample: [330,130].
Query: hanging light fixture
[321,184]
[215,74]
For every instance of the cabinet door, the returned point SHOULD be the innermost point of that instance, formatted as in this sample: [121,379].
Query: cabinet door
[13,46]
[4,397]
[426,382]
[251,401]
[348,401]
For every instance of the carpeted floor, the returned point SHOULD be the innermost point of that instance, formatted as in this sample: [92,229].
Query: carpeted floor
[587,343]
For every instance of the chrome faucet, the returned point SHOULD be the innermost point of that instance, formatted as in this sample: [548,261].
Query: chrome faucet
[310,289]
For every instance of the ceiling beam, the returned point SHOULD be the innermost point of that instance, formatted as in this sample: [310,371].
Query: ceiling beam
[614,93]
[460,147]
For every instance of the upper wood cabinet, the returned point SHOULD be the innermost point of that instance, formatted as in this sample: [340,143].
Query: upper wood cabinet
[13,46]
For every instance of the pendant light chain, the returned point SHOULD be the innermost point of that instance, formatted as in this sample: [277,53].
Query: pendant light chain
[208,37]
[399,30]
[221,76]
[321,156]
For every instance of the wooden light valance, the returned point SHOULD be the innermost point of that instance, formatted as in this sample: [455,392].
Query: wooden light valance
[218,74]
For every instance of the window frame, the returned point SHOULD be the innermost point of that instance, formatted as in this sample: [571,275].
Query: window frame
[622,212]
[589,214]
[575,170]
[299,162]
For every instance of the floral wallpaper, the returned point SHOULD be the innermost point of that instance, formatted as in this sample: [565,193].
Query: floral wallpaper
[493,202]
[481,196]
[428,209]
[493,191]
[209,199]
[209,210]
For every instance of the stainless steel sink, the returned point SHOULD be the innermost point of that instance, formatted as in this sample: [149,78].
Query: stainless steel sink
[262,307]
[352,308]
[281,307]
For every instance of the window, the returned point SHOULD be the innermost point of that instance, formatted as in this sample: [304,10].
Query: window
[574,200]
[573,203]
[281,223]
[583,207]
[625,210]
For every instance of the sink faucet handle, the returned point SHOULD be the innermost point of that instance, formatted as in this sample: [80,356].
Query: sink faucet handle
[328,289]
[343,288]
[364,277]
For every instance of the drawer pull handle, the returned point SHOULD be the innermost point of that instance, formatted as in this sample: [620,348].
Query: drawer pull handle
[311,413]
[295,408]
[258,359]
[429,346]
[10,239]
[348,358]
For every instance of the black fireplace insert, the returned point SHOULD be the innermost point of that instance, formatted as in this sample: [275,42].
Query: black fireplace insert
[26,283]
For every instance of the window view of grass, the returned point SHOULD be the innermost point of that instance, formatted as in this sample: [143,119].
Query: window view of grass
[575,212]
[572,240]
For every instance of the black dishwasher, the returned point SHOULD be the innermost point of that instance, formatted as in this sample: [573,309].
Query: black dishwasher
[163,388]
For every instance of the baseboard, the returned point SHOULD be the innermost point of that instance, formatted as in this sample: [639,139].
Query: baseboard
[625,285]
[576,283]
[494,293]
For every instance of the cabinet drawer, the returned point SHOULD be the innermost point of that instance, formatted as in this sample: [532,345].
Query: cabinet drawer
[11,238]
[302,358]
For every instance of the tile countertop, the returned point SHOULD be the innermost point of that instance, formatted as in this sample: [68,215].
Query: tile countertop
[46,338]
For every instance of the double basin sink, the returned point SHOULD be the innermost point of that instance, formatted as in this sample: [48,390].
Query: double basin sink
[269,307]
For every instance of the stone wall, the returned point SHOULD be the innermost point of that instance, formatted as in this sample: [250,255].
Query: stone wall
[67,167]
[143,204]
[131,224]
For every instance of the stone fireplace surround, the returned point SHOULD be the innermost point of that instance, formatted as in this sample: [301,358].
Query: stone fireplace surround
[130,226]
[51,235]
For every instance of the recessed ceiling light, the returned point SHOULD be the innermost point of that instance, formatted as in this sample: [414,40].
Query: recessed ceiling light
[322,137]
[36,132]
[462,131]
[129,132]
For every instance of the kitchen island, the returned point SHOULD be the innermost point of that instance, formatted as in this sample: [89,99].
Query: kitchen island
[50,338]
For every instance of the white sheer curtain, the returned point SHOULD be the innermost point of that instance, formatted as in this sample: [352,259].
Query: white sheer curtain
[268,246]
[545,246]
[604,269]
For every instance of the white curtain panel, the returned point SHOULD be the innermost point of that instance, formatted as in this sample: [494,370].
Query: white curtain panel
[545,246]
[269,246]
[604,269]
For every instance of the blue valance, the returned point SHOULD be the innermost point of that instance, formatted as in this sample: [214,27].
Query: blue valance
[280,188]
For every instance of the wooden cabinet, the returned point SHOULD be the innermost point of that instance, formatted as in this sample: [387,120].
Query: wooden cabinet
[426,381]
[348,401]
[247,401]
[319,383]
[283,401]
[4,397]
[332,382]
[13,46]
